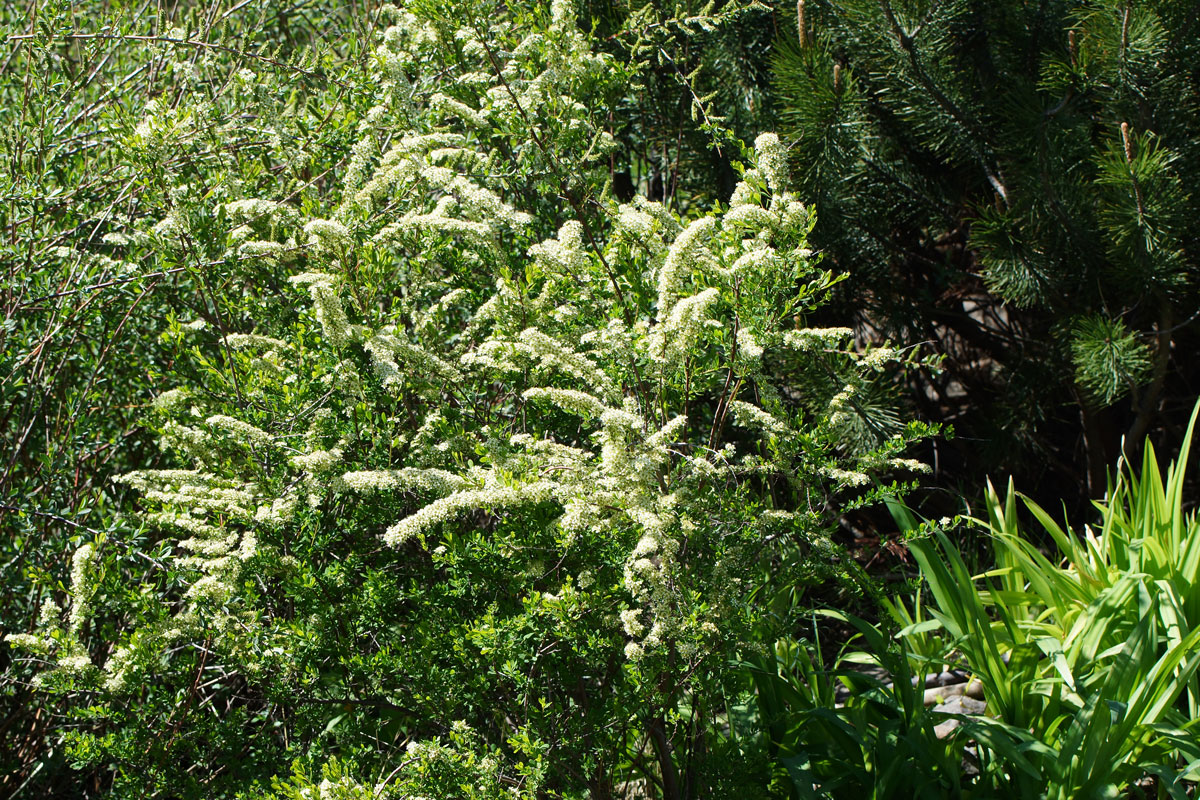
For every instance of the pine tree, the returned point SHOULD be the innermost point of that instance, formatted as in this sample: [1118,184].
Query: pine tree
[1011,181]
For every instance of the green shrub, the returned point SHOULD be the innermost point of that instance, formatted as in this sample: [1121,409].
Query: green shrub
[112,118]
[470,469]
[1087,657]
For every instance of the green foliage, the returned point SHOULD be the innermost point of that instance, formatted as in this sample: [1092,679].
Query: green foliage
[1010,182]
[880,742]
[1089,666]
[1108,357]
[110,118]
[1087,658]
[465,464]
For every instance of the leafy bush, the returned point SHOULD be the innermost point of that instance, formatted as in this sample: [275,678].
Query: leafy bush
[1088,665]
[111,119]
[844,733]
[468,465]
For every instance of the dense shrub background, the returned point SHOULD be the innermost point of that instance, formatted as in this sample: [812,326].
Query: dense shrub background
[483,440]
[86,300]
[133,136]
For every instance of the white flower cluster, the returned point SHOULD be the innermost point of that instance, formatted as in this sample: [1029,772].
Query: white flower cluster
[565,254]
[756,261]
[549,353]
[387,348]
[748,346]
[636,226]
[848,477]
[327,306]
[248,341]
[278,512]
[451,107]
[170,399]
[879,358]
[35,644]
[771,158]
[492,497]
[83,588]
[250,210]
[317,462]
[439,220]
[240,430]
[747,190]
[676,336]
[810,339]
[206,499]
[328,235]
[435,481]
[751,416]
[271,251]
[686,254]
[576,402]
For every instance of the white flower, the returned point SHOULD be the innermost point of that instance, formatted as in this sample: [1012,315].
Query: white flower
[878,358]
[327,306]
[772,160]
[317,462]
[430,480]
[751,416]
[83,570]
[629,620]
[494,497]
[242,430]
[30,643]
[170,399]
[244,341]
[748,346]
[686,252]
[328,235]
[847,477]
[579,403]
[808,339]
[674,338]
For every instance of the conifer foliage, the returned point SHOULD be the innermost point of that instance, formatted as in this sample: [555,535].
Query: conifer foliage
[1013,181]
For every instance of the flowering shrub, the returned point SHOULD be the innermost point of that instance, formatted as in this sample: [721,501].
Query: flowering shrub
[479,504]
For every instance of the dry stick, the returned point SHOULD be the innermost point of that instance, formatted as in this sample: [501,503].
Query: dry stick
[161,273]
[695,98]
[1127,144]
[108,284]
[186,708]
[108,346]
[50,516]
[192,43]
[723,403]
[666,764]
[1147,405]
[237,387]
[567,193]
[52,329]
[42,355]
[87,110]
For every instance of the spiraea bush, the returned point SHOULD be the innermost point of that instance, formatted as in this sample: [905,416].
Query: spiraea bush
[113,118]
[473,477]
